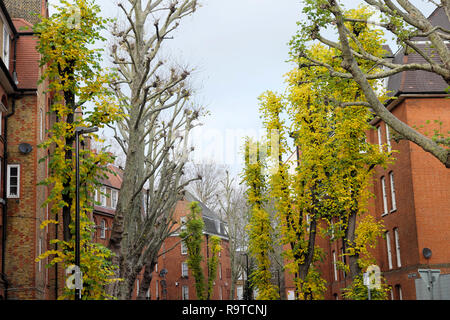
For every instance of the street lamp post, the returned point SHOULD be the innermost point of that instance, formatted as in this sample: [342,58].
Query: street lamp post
[78,131]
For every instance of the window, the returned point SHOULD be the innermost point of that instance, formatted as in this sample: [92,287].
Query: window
[185,293]
[13,182]
[383,190]
[6,46]
[399,292]
[183,223]
[388,139]
[334,266]
[240,292]
[41,126]
[103,229]
[397,247]
[220,271]
[39,253]
[157,290]
[108,198]
[388,247]
[147,295]
[394,202]
[184,269]
[103,196]
[114,197]
[1,120]
[380,145]
[184,249]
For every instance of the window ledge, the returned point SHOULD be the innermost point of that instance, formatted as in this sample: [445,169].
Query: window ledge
[393,210]
[384,214]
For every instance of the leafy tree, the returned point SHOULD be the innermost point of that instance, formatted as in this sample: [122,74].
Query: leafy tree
[331,178]
[193,237]
[74,76]
[407,23]
[260,227]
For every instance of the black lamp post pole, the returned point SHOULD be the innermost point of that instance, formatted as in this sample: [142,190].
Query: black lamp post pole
[77,210]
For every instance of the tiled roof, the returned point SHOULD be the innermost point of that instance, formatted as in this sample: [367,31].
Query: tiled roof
[114,181]
[213,224]
[419,81]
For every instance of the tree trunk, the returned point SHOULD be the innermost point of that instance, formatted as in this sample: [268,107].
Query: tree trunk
[146,279]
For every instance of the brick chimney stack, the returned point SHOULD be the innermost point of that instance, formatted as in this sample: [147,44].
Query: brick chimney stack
[28,10]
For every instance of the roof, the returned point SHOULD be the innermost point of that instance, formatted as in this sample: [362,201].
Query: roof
[419,81]
[114,178]
[213,224]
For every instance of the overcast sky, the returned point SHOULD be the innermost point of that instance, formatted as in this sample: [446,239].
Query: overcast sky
[239,49]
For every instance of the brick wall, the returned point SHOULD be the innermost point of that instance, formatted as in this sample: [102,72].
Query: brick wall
[22,219]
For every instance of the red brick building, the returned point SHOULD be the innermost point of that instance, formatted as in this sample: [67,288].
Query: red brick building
[24,121]
[412,195]
[172,279]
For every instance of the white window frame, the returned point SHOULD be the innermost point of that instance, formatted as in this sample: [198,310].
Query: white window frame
[220,271]
[184,249]
[400,294]
[384,194]
[114,198]
[39,253]
[185,293]
[380,145]
[103,196]
[393,199]
[388,138]
[41,124]
[397,247]
[184,269]
[103,229]
[334,266]
[388,248]
[8,182]
[6,46]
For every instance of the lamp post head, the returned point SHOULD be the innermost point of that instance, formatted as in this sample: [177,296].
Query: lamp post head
[83,130]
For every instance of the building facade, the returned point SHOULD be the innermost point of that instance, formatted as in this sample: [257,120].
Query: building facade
[172,279]
[24,122]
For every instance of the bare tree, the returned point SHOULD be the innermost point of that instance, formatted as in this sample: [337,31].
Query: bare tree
[208,187]
[234,211]
[153,135]
[408,25]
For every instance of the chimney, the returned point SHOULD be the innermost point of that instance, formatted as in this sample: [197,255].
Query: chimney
[28,10]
